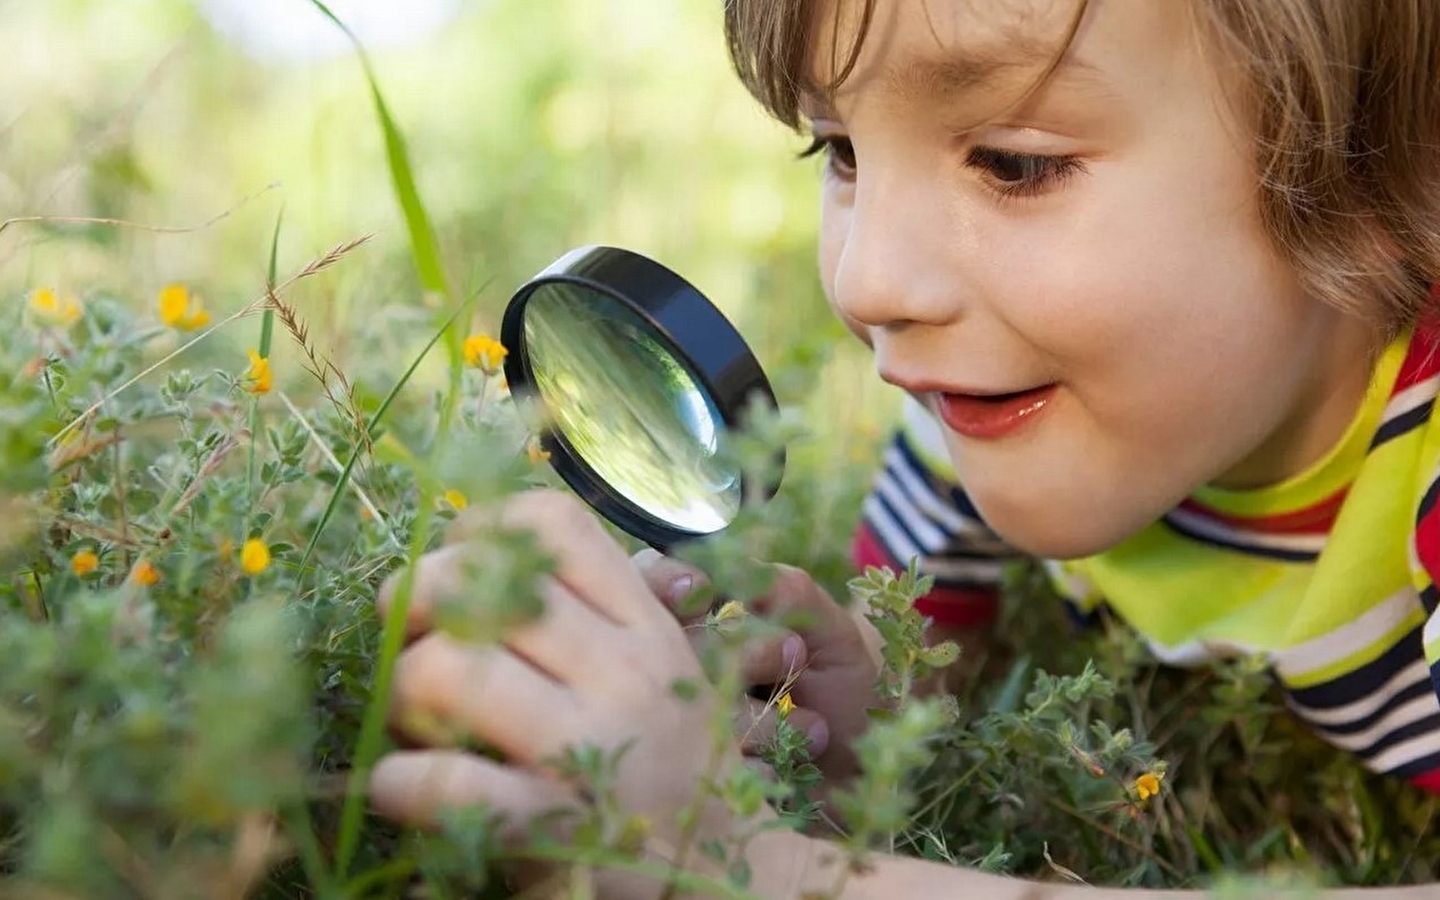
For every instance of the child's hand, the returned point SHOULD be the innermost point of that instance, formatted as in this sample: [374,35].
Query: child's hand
[598,668]
[836,660]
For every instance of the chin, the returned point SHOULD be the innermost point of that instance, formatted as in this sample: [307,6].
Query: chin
[1057,535]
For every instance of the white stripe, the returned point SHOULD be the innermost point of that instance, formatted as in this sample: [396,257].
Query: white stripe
[890,534]
[963,569]
[978,537]
[1430,637]
[922,494]
[900,546]
[1414,396]
[923,527]
[1207,527]
[924,429]
[1397,718]
[1193,653]
[1356,710]
[1353,636]
[1420,746]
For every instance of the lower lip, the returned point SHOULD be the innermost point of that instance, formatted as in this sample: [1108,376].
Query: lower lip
[975,417]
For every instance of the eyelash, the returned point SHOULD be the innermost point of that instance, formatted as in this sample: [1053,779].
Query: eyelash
[1037,173]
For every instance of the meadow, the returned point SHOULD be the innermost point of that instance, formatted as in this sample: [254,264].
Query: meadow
[237,286]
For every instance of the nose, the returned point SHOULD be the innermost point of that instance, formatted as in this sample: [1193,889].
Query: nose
[901,257]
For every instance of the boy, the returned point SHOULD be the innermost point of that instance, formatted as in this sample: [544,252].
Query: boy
[1154,276]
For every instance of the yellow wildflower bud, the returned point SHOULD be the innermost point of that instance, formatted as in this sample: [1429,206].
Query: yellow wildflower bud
[84,562]
[259,378]
[784,705]
[732,609]
[145,574]
[484,353]
[52,309]
[179,309]
[1147,785]
[456,499]
[254,557]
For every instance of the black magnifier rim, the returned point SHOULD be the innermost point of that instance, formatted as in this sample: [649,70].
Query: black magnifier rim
[687,324]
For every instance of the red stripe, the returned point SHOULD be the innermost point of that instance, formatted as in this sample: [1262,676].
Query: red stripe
[1427,542]
[1422,359]
[963,607]
[1430,781]
[1318,518]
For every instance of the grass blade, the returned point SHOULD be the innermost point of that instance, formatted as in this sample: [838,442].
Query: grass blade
[424,249]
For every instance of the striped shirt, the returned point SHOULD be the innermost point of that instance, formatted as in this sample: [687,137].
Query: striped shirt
[1331,574]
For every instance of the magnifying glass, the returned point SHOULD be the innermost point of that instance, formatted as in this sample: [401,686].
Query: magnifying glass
[640,385]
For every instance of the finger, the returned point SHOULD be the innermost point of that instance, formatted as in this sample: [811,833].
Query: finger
[419,787]
[587,559]
[767,771]
[757,724]
[795,601]
[571,641]
[438,574]
[773,659]
[674,582]
[486,693]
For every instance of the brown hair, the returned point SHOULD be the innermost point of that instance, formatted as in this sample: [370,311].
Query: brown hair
[1343,97]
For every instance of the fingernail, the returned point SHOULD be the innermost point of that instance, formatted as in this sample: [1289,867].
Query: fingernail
[791,651]
[819,734]
[680,588]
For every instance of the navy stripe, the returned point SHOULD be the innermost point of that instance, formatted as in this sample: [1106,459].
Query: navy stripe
[1406,421]
[1415,768]
[940,486]
[1430,599]
[1080,619]
[966,553]
[1280,553]
[1427,725]
[1421,688]
[902,522]
[1365,680]
[945,492]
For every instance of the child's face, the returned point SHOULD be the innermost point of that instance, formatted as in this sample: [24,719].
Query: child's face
[1102,238]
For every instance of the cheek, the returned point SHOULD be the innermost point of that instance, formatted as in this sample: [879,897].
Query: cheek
[1147,283]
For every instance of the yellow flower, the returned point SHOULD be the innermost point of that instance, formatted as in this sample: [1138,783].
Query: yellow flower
[732,609]
[179,309]
[483,352]
[1147,785]
[254,557]
[53,309]
[456,499]
[145,574]
[84,562]
[259,378]
[784,705]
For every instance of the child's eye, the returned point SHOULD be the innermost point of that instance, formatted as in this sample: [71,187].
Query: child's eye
[1022,174]
[839,154]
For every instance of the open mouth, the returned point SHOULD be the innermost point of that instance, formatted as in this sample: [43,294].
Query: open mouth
[994,415]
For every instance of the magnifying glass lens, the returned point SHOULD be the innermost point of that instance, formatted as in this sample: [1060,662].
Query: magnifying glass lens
[630,407]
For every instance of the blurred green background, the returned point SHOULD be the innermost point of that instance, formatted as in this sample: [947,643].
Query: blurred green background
[533,127]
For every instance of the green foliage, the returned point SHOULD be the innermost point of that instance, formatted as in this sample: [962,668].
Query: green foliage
[175,724]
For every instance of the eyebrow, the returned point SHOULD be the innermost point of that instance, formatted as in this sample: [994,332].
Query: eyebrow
[960,74]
